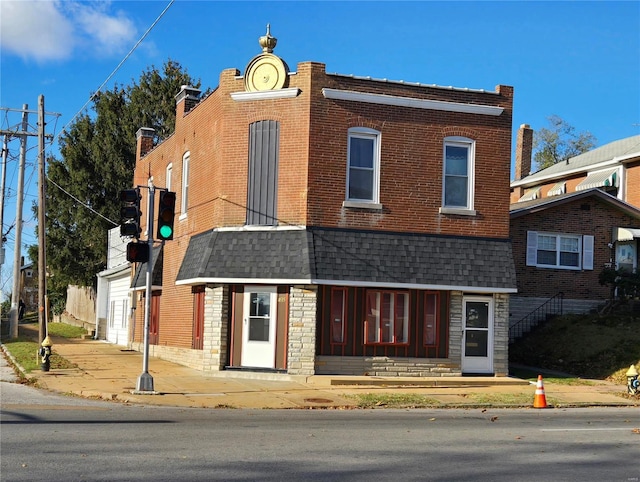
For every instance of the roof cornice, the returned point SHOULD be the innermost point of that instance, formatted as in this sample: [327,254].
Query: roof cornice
[398,101]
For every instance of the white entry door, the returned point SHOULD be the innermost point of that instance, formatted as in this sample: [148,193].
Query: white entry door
[259,327]
[477,335]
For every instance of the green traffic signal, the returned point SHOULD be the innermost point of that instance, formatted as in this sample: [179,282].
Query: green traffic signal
[166,215]
[166,232]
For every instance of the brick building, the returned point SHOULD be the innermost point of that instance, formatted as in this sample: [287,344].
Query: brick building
[332,224]
[570,221]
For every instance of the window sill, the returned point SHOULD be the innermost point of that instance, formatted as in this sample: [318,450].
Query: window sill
[548,266]
[362,205]
[458,211]
[182,217]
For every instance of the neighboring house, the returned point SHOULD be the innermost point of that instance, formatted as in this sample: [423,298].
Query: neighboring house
[113,299]
[614,168]
[332,224]
[28,287]
[584,216]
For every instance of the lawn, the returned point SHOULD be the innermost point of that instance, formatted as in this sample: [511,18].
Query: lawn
[25,348]
[586,346]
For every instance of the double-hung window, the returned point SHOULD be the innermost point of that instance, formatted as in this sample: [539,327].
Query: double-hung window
[184,200]
[363,174]
[458,167]
[168,174]
[563,251]
[387,317]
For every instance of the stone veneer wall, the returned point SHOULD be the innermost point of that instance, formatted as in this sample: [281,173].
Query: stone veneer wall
[213,356]
[183,356]
[302,330]
[384,366]
[455,329]
[501,335]
[215,336]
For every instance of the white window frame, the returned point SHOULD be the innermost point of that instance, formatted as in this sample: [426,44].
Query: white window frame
[470,145]
[371,134]
[184,197]
[585,250]
[168,173]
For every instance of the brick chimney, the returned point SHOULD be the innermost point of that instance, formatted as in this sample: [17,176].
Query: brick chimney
[144,141]
[187,99]
[524,148]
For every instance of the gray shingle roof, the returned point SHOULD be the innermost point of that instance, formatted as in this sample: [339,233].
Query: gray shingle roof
[140,277]
[337,256]
[608,152]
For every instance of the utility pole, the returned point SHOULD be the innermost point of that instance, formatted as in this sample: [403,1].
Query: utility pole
[5,153]
[42,265]
[17,249]
[22,133]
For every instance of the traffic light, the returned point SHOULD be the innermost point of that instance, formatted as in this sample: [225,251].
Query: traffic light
[137,252]
[166,214]
[130,213]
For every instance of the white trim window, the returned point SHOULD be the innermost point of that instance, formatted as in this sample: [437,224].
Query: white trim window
[363,165]
[561,251]
[458,169]
[184,200]
[168,173]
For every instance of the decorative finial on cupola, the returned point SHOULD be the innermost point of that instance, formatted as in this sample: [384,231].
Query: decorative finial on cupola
[267,42]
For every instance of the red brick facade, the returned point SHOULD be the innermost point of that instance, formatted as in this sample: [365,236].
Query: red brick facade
[312,167]
[585,216]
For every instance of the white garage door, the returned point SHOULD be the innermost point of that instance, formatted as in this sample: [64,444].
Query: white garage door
[118,310]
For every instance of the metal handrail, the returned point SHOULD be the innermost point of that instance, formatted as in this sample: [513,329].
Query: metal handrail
[551,307]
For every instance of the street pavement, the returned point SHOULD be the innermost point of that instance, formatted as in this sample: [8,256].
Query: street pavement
[110,372]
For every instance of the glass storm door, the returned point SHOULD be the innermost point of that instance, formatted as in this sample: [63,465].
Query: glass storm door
[259,328]
[477,335]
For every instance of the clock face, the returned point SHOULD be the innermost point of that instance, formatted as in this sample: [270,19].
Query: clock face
[266,72]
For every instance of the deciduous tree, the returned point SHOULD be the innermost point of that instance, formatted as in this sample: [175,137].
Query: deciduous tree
[559,142]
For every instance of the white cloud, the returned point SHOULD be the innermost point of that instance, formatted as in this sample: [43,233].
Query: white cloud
[35,30]
[55,30]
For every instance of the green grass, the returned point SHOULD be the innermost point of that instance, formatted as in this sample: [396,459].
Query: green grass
[394,400]
[65,331]
[25,353]
[25,348]
[584,346]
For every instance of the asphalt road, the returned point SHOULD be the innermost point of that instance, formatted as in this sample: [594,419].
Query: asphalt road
[50,437]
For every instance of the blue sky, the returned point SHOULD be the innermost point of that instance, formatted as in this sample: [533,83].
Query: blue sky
[577,60]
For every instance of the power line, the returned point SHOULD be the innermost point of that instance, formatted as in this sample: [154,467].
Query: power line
[118,67]
[137,44]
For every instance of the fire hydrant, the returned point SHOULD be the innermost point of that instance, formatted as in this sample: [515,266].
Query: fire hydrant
[45,353]
[633,384]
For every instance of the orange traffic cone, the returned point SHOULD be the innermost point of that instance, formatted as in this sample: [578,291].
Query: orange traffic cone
[540,400]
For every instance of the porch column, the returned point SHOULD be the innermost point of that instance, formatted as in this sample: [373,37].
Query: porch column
[455,329]
[301,346]
[501,335]
[215,333]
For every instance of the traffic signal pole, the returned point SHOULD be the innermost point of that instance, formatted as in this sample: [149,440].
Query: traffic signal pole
[145,380]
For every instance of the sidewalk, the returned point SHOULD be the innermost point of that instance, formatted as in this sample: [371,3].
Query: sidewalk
[110,372]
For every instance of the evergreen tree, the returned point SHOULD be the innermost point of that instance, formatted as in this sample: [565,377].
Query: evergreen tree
[98,155]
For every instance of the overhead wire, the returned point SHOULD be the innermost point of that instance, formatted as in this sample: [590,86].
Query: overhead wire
[82,109]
